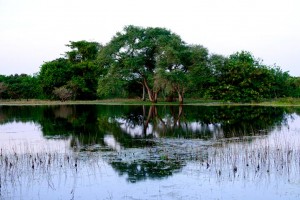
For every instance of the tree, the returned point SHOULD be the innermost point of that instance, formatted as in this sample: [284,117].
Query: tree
[133,55]
[242,78]
[174,81]
[82,51]
[84,70]
[54,74]
[173,65]
[78,71]
[63,93]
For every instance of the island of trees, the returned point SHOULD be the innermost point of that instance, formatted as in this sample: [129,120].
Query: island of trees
[150,64]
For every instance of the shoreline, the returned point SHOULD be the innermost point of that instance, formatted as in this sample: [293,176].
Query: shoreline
[189,102]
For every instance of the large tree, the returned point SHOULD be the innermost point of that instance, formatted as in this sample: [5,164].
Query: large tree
[243,78]
[54,74]
[135,54]
[84,70]
[77,72]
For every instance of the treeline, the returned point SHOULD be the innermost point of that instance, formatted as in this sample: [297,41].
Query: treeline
[150,63]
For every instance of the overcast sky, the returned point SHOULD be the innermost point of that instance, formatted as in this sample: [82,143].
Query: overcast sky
[35,31]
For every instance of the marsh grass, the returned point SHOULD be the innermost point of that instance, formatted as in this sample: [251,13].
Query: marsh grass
[21,171]
[276,158]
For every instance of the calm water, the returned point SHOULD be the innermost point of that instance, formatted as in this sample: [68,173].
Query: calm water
[147,152]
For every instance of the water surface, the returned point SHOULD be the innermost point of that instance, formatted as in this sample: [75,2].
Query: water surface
[149,152]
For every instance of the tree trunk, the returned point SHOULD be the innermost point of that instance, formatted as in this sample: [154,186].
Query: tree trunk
[155,97]
[145,122]
[151,115]
[180,111]
[180,97]
[152,95]
[144,93]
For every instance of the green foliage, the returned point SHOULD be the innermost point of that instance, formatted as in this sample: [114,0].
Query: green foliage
[136,53]
[82,51]
[3,89]
[20,87]
[84,80]
[294,87]
[280,85]
[78,73]
[200,77]
[155,61]
[111,88]
[54,74]
[243,78]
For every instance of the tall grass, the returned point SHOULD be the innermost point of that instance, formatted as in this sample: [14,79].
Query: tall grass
[28,169]
[274,157]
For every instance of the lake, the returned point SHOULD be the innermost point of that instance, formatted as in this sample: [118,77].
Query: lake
[149,152]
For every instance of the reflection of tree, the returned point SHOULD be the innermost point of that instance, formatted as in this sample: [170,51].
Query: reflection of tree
[142,170]
[165,121]
[117,129]
[202,122]
[128,124]
[21,114]
[2,116]
[241,120]
[80,122]
[149,121]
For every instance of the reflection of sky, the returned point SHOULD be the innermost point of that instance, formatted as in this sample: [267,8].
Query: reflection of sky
[215,129]
[137,130]
[21,137]
[110,141]
[287,135]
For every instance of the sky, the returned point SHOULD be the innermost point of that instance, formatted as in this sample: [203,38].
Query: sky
[36,31]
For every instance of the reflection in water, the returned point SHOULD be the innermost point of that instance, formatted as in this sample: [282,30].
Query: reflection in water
[143,170]
[21,137]
[195,122]
[91,123]
[110,141]
[174,145]
[136,126]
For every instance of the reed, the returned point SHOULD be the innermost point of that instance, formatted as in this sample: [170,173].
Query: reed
[276,157]
[27,169]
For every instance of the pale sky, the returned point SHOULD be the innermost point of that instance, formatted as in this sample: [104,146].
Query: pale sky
[36,31]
